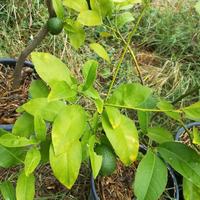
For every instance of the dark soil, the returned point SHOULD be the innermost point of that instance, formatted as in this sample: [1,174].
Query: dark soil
[11,99]
[48,187]
[118,186]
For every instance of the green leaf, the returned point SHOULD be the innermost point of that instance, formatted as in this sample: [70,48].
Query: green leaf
[7,190]
[160,135]
[44,150]
[131,95]
[66,166]
[89,18]
[100,51]
[75,32]
[90,73]
[85,143]
[38,89]
[52,109]
[122,4]
[144,117]
[183,159]
[58,7]
[193,111]
[24,126]
[151,178]
[78,5]
[95,159]
[40,128]
[25,189]
[190,191]
[123,19]
[197,7]
[50,68]
[10,156]
[3,132]
[61,90]
[169,110]
[68,127]
[196,135]
[77,39]
[114,116]
[103,7]
[126,134]
[31,161]
[10,140]
[92,93]
[41,106]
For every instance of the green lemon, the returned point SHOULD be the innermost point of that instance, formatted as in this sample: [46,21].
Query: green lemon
[55,25]
[109,160]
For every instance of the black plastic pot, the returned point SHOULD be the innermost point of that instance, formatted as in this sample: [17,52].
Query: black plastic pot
[178,138]
[182,130]
[12,62]
[173,181]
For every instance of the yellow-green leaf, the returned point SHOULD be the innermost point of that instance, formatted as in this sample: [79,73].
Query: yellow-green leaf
[193,111]
[25,189]
[114,116]
[24,125]
[10,140]
[40,128]
[168,109]
[196,135]
[32,160]
[58,7]
[66,166]
[61,90]
[100,51]
[95,159]
[89,18]
[77,5]
[68,127]
[50,68]
[124,138]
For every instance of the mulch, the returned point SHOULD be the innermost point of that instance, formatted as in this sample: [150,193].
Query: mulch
[10,99]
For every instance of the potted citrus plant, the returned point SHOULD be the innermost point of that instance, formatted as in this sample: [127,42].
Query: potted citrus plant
[73,133]
[56,108]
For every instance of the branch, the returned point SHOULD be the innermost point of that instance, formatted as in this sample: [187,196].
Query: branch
[34,43]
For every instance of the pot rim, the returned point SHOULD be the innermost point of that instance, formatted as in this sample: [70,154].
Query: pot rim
[12,62]
[182,130]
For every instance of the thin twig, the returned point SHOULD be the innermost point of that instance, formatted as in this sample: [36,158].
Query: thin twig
[134,58]
[34,43]
[125,49]
[142,109]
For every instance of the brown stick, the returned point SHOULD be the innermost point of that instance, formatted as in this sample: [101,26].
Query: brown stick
[34,43]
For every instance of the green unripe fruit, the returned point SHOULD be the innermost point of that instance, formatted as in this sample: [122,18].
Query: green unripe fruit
[55,25]
[109,160]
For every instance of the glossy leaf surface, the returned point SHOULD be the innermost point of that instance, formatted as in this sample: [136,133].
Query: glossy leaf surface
[151,178]
[68,127]
[66,166]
